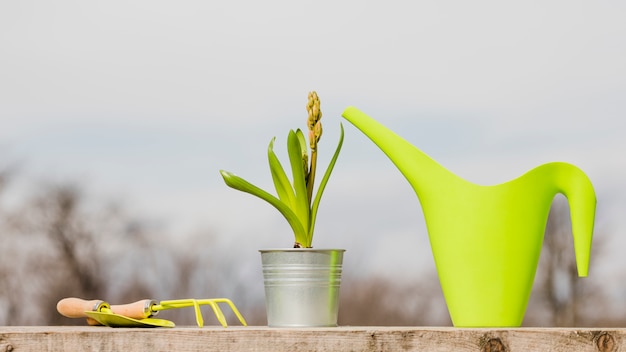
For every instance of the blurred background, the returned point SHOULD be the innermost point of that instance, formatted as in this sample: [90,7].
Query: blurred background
[116,116]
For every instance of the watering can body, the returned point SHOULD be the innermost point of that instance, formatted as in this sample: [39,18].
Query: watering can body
[486,240]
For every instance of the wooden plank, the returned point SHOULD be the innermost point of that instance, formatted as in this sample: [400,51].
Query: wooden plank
[341,339]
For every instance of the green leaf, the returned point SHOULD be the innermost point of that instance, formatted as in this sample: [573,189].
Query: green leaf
[320,190]
[304,152]
[302,140]
[281,182]
[238,183]
[299,182]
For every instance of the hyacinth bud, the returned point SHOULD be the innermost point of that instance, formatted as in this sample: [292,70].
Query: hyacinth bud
[309,107]
[318,131]
[313,108]
[314,124]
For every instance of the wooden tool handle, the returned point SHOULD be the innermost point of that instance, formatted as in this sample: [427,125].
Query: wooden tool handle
[75,307]
[93,322]
[136,310]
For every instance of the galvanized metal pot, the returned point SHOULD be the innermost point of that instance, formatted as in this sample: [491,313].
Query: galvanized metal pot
[302,286]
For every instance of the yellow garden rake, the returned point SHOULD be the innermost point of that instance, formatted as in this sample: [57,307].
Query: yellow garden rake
[140,313]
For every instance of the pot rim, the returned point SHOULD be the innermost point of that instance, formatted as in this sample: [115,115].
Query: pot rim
[267,250]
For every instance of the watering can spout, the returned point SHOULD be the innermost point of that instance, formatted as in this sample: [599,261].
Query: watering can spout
[410,160]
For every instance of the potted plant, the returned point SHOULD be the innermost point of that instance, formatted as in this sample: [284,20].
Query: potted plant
[301,283]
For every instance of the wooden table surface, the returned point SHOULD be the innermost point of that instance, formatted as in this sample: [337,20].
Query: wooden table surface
[340,339]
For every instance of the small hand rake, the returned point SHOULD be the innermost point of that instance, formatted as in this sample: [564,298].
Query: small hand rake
[140,313]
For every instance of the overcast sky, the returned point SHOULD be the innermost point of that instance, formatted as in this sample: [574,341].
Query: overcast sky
[145,101]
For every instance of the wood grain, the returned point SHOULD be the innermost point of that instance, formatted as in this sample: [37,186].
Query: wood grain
[341,339]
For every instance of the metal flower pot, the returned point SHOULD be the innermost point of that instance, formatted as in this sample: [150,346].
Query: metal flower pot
[302,286]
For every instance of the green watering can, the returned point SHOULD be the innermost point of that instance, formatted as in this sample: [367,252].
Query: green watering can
[486,240]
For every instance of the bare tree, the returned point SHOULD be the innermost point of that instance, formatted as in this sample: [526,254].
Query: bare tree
[388,302]
[63,260]
[7,280]
[60,243]
[53,248]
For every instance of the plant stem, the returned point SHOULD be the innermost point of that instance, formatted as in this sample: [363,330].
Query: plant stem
[311,177]
[315,133]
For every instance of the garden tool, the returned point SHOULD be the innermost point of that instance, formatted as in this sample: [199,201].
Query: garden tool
[103,313]
[196,303]
[144,310]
